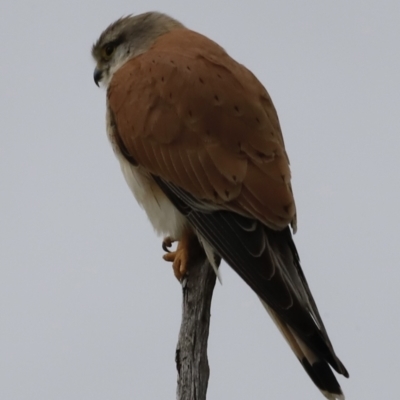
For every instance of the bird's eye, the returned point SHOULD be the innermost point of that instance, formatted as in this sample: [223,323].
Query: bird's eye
[108,50]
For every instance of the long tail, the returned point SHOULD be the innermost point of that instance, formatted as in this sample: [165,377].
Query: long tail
[317,369]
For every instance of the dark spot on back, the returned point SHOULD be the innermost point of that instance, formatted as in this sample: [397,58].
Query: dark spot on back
[201,80]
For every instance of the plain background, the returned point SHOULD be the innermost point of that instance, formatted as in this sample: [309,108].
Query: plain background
[88,309]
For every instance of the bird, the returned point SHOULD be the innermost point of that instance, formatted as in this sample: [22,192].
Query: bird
[200,146]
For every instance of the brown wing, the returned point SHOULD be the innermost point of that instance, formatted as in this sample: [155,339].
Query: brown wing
[190,114]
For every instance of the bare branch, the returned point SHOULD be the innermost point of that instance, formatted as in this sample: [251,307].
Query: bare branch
[191,352]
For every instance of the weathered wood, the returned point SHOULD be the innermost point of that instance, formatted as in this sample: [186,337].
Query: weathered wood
[191,351]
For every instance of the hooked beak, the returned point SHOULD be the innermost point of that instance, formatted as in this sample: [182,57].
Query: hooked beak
[97,75]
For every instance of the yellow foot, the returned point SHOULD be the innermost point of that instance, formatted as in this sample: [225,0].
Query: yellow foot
[187,249]
[179,259]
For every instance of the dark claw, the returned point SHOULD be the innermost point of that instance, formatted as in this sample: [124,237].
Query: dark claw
[165,247]
[166,244]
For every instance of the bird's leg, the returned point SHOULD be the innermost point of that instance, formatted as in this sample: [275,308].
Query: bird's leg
[188,248]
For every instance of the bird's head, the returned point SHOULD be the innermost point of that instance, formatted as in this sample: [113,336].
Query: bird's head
[126,38]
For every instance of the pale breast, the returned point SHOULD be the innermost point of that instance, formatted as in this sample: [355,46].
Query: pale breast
[164,217]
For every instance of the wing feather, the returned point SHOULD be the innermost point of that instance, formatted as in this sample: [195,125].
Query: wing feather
[186,98]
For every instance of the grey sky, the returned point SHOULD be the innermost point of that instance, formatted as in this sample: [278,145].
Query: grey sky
[88,309]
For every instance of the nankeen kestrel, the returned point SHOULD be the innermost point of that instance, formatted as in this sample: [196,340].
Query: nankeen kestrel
[201,148]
